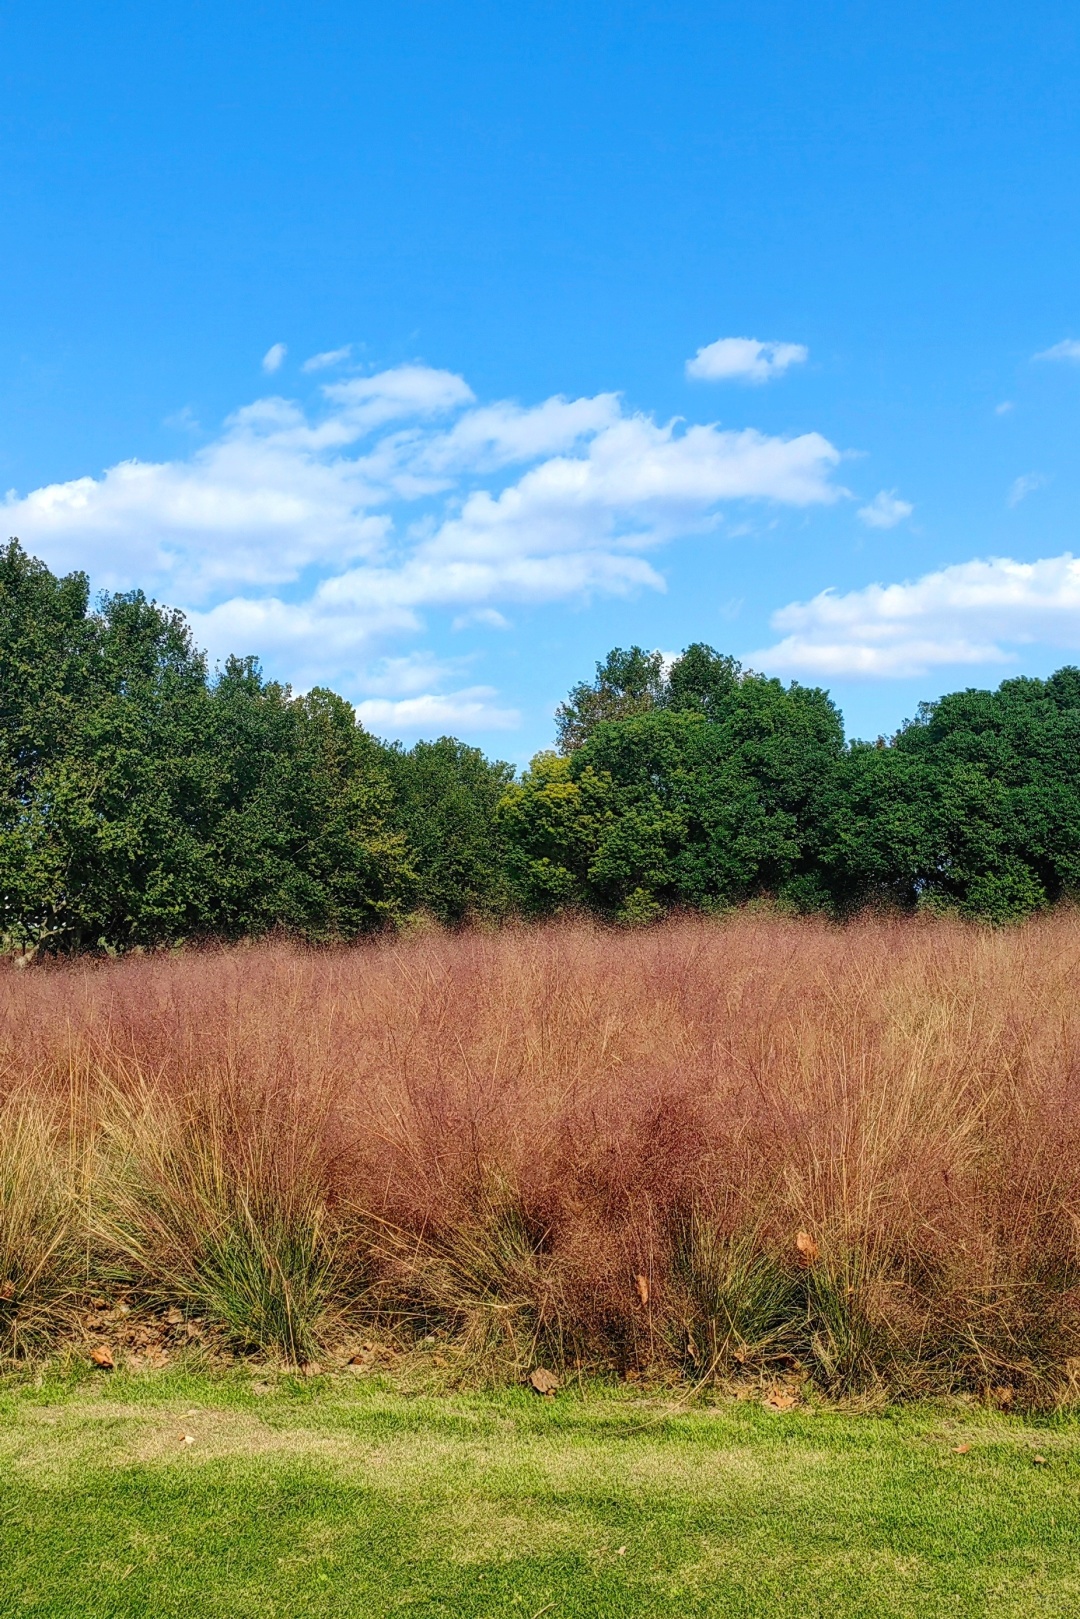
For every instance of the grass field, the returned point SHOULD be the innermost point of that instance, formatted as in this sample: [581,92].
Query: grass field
[230,1497]
[709,1145]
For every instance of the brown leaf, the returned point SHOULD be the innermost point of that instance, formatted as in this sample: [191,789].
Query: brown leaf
[642,1285]
[1041,1461]
[780,1400]
[961,1450]
[1004,1393]
[174,1316]
[808,1249]
[7,1290]
[544,1382]
[740,1354]
[310,1368]
[102,1355]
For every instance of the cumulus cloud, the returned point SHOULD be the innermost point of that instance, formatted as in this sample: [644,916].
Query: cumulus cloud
[314,537]
[976,612]
[1068,349]
[471,709]
[272,359]
[744,359]
[885,510]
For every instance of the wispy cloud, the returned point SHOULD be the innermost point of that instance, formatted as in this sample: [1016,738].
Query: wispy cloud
[744,359]
[1068,349]
[272,359]
[1025,485]
[330,357]
[978,612]
[885,510]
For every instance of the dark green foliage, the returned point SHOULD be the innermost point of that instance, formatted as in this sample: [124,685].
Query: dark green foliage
[975,805]
[627,683]
[145,800]
[707,797]
[447,798]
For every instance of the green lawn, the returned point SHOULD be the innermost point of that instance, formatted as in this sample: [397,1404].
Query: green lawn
[354,1499]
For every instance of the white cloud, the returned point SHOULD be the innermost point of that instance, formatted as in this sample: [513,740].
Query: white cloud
[489,616]
[1005,407]
[275,354]
[1024,485]
[414,673]
[329,357]
[976,612]
[885,510]
[1068,349]
[471,709]
[314,538]
[744,359]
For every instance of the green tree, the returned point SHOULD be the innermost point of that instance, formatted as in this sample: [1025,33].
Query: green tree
[446,802]
[705,796]
[974,805]
[627,682]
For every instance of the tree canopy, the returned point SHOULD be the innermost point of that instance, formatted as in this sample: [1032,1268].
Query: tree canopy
[146,799]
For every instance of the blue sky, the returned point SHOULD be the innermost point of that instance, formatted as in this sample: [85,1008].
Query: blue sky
[397,344]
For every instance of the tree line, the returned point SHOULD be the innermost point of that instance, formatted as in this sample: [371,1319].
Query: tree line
[147,799]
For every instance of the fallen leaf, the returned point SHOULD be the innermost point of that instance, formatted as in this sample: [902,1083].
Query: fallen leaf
[7,1290]
[98,1304]
[780,1400]
[174,1316]
[620,1551]
[1041,1461]
[740,1354]
[187,1438]
[101,1355]
[439,1360]
[961,1450]
[260,1388]
[642,1285]
[310,1368]
[1004,1393]
[808,1249]
[544,1382]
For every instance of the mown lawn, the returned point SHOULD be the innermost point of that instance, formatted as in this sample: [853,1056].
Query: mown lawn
[340,1499]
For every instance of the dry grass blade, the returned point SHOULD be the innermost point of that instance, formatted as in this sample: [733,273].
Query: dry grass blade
[749,1147]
